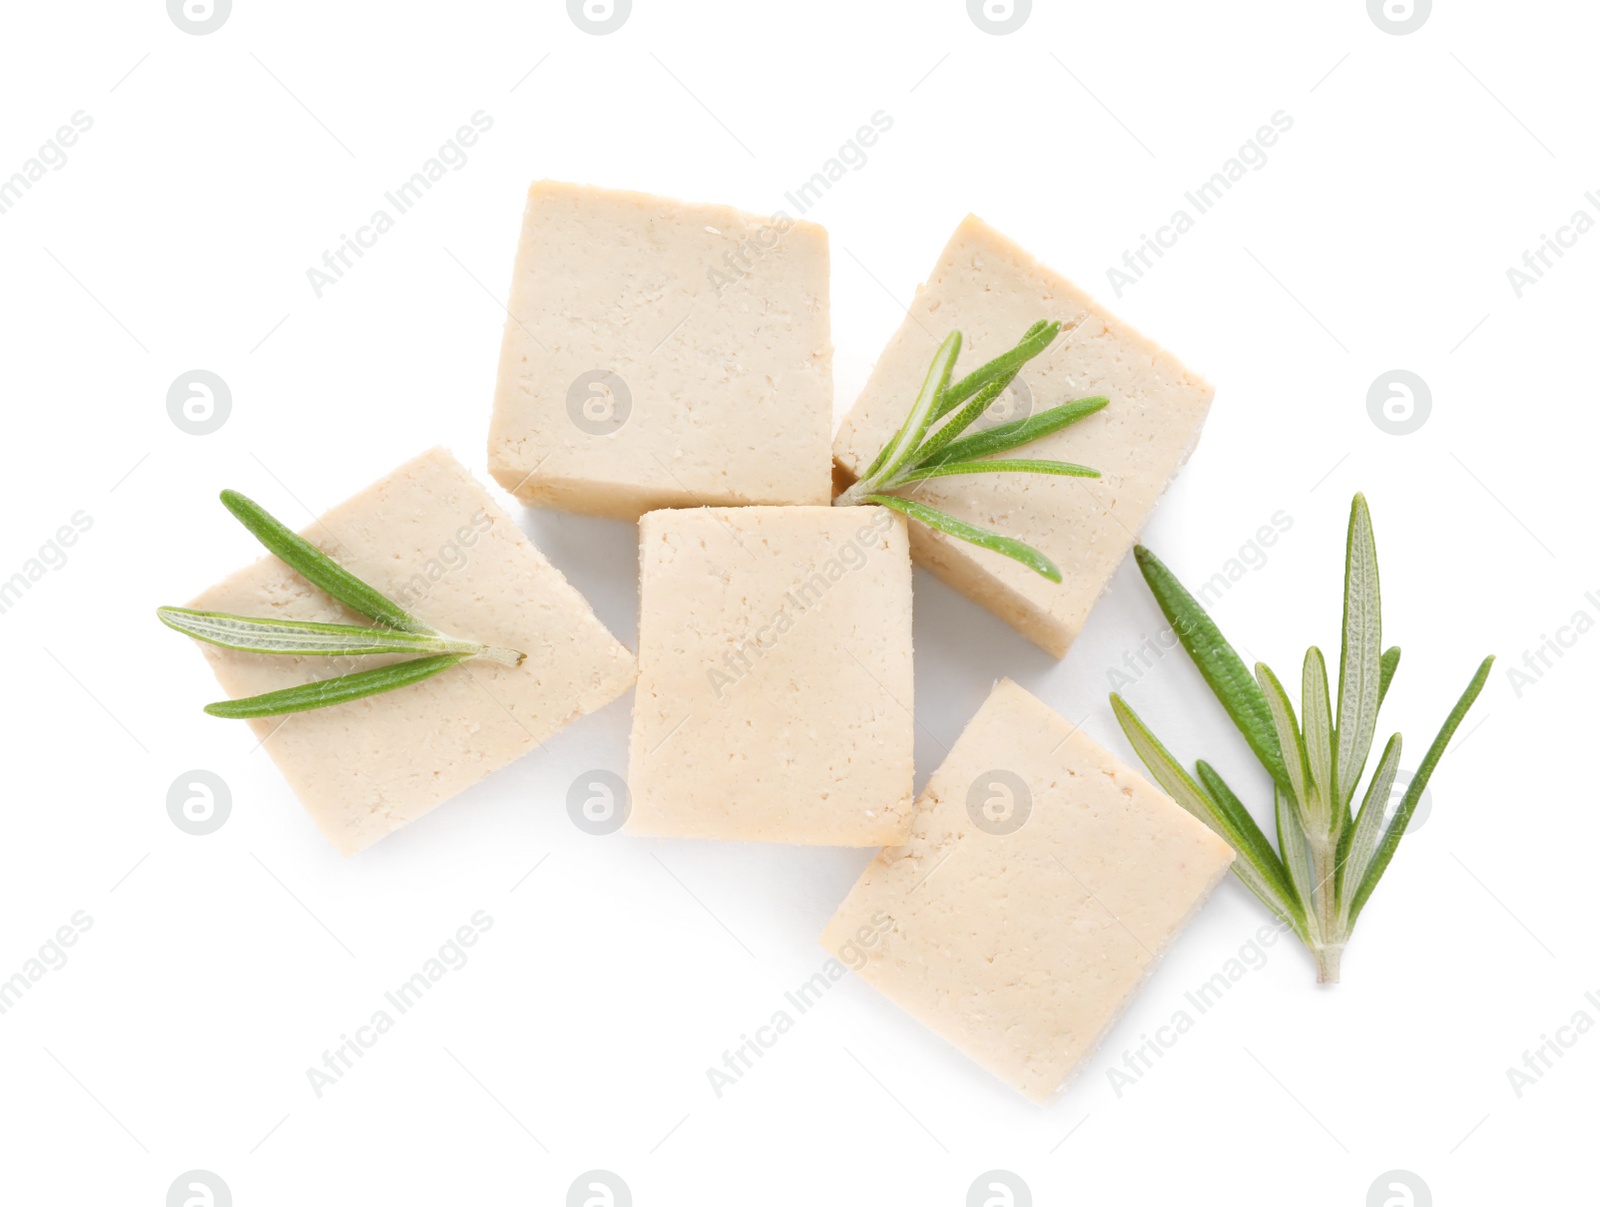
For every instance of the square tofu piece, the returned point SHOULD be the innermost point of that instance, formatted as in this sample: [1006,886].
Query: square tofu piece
[990,290]
[774,700]
[429,537]
[660,354]
[1041,882]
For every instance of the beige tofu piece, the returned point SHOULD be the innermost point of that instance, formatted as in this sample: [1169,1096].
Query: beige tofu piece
[774,700]
[1041,882]
[991,290]
[662,354]
[430,537]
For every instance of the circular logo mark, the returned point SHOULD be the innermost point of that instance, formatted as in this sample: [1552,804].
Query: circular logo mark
[599,1188]
[999,16]
[999,802]
[599,16]
[598,402]
[198,402]
[1399,16]
[1397,790]
[999,1188]
[1399,402]
[199,16]
[199,802]
[1399,1188]
[199,1188]
[1014,403]
[598,802]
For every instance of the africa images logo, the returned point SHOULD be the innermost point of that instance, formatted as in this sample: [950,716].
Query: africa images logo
[999,1188]
[999,16]
[199,402]
[1399,16]
[598,802]
[599,16]
[198,802]
[1399,402]
[199,1188]
[599,1188]
[1399,1188]
[199,16]
[999,802]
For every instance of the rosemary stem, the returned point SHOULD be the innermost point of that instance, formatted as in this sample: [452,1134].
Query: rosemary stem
[1330,944]
[502,655]
[853,495]
[1328,962]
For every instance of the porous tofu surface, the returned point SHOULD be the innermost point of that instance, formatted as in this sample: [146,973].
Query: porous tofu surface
[991,290]
[430,537]
[1041,881]
[663,354]
[774,700]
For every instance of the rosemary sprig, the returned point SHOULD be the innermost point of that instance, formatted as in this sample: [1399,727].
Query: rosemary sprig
[930,444]
[397,631]
[1327,861]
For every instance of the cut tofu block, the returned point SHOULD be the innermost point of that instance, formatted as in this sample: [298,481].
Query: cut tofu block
[774,700]
[660,354]
[430,538]
[1041,882]
[990,290]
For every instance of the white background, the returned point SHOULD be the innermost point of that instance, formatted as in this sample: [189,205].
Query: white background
[1378,235]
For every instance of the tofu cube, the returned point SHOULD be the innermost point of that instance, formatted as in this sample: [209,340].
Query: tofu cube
[430,537]
[990,290]
[774,700]
[1041,881]
[661,354]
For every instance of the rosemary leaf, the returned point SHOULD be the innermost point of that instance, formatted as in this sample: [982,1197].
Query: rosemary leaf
[1172,777]
[1356,850]
[915,427]
[305,637]
[340,690]
[317,568]
[946,469]
[1296,853]
[1408,803]
[1390,664]
[1034,341]
[1289,739]
[1318,733]
[944,522]
[1242,831]
[1361,652]
[1018,432]
[963,418]
[1223,670]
